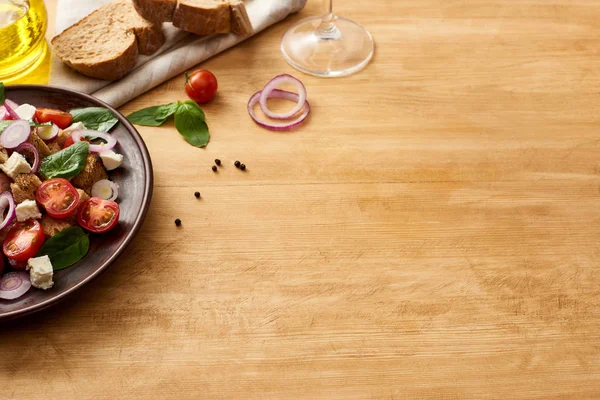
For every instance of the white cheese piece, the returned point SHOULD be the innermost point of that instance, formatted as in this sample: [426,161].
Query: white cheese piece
[28,209]
[77,126]
[15,165]
[111,160]
[25,111]
[40,272]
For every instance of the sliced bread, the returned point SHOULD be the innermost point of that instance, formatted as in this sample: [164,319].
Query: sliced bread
[202,17]
[106,43]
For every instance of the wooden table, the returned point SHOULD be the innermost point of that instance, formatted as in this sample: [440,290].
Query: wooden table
[431,232]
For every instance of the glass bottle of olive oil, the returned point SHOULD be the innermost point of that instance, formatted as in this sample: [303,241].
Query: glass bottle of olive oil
[22,37]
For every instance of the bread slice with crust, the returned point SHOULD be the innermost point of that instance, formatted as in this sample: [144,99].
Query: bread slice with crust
[202,17]
[106,43]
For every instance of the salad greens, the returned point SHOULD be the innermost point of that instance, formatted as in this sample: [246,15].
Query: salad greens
[95,118]
[67,163]
[2,95]
[66,247]
[190,120]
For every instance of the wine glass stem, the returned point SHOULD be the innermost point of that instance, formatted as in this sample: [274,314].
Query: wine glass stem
[327,29]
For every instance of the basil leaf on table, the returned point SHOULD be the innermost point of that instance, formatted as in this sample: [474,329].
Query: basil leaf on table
[95,118]
[67,163]
[66,247]
[163,112]
[2,95]
[153,116]
[190,122]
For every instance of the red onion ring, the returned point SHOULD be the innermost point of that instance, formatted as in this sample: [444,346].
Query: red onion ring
[11,106]
[15,134]
[95,148]
[278,94]
[271,86]
[4,115]
[47,133]
[7,200]
[34,151]
[14,285]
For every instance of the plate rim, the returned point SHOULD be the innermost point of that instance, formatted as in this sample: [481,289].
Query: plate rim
[137,224]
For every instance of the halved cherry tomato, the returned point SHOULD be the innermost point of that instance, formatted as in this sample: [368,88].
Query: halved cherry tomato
[23,240]
[18,265]
[201,86]
[59,197]
[98,215]
[70,142]
[59,118]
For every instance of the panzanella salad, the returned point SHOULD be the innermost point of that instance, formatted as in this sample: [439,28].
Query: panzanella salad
[54,189]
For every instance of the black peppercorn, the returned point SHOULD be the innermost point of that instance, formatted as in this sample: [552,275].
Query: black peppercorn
[197,194]
[243,167]
[237,164]
[214,168]
[178,222]
[218,162]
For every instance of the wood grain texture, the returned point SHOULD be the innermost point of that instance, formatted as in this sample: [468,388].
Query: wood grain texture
[431,232]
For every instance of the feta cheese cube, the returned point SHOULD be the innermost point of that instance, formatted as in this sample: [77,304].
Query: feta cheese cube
[111,160]
[28,209]
[40,272]
[25,111]
[15,165]
[77,126]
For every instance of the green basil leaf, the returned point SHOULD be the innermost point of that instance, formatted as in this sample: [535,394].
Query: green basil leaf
[190,122]
[66,248]
[145,117]
[153,116]
[2,95]
[67,163]
[163,112]
[95,118]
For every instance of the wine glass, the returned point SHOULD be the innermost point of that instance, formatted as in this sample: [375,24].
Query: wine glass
[327,46]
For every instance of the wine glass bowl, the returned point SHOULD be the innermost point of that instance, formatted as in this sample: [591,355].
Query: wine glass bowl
[327,46]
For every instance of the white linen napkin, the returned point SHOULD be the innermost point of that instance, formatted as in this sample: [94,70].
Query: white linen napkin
[180,52]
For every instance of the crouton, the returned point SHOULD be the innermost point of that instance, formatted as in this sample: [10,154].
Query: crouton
[92,173]
[39,144]
[64,134]
[24,187]
[3,155]
[52,226]
[54,147]
[83,196]
[5,182]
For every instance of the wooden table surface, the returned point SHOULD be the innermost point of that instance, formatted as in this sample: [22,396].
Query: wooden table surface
[431,232]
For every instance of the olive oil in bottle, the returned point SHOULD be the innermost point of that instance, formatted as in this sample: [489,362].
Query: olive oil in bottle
[22,37]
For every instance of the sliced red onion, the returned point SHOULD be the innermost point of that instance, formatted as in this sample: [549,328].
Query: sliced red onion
[15,134]
[36,155]
[11,106]
[4,115]
[271,86]
[14,285]
[278,126]
[7,201]
[95,148]
[106,190]
[48,133]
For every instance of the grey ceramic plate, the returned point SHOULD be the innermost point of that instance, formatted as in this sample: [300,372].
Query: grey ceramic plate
[134,178]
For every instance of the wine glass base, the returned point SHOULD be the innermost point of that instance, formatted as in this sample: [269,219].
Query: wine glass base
[340,48]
